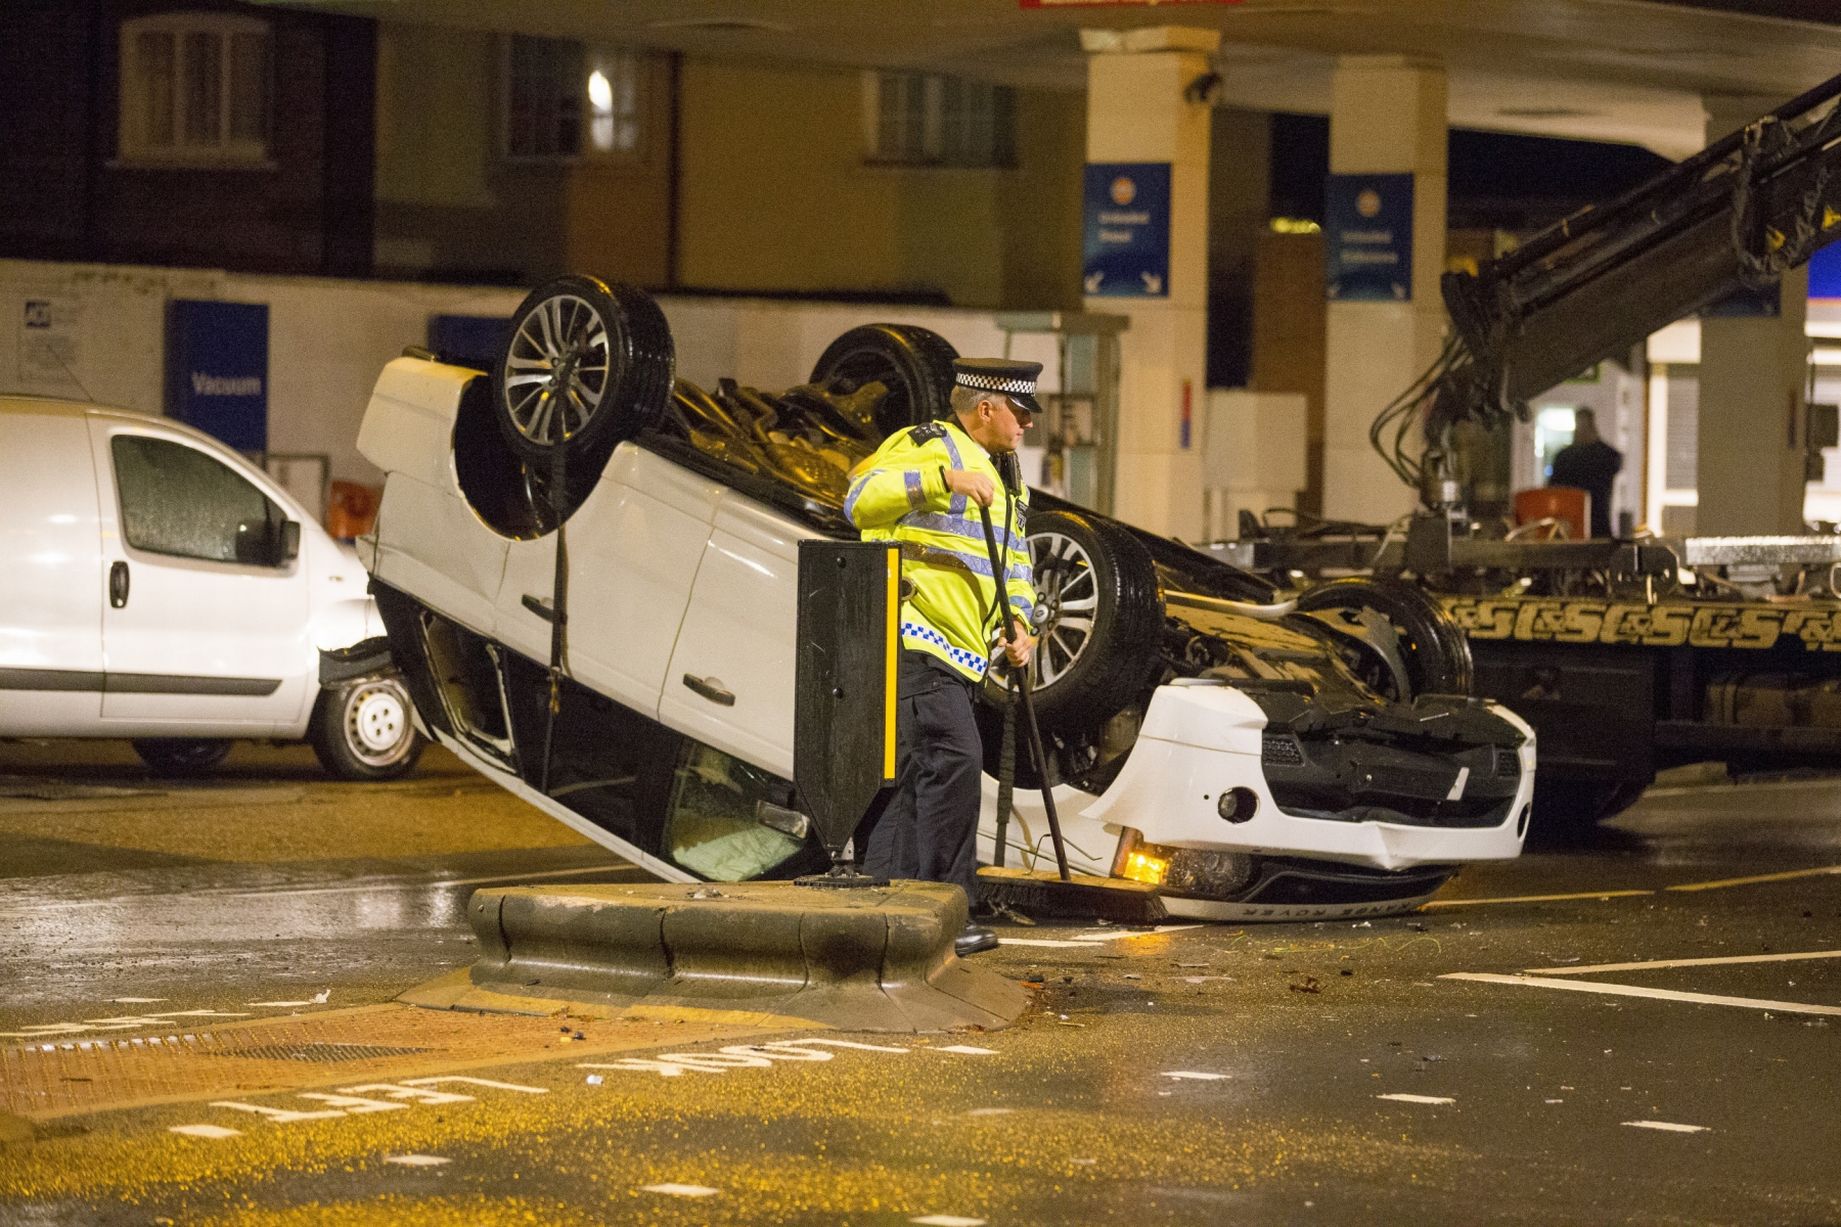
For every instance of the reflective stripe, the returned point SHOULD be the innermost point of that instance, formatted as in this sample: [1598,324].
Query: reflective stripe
[959,526]
[957,507]
[969,660]
[856,491]
[917,497]
[979,564]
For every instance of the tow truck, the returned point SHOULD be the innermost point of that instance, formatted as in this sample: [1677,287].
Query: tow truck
[1625,655]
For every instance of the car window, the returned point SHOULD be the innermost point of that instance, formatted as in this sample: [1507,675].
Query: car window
[713,825]
[177,500]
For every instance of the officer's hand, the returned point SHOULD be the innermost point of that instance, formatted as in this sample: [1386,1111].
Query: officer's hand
[1017,651]
[975,486]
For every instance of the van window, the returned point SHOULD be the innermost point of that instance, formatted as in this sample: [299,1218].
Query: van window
[177,500]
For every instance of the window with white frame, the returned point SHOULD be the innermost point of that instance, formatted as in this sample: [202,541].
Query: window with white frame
[195,88]
[565,100]
[924,119]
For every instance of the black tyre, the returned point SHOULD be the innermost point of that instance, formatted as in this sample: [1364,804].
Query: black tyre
[363,730]
[181,755]
[1435,653]
[1567,812]
[1101,619]
[914,364]
[587,364]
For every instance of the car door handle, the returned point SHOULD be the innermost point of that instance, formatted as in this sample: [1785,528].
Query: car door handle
[118,585]
[711,689]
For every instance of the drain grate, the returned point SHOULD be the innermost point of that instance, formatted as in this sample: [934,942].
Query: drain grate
[320,1053]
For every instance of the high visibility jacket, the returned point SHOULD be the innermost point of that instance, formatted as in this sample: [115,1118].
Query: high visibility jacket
[899,494]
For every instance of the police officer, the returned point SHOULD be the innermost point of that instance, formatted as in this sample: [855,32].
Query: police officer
[924,488]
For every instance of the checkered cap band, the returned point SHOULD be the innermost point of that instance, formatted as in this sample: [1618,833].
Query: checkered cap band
[996,383]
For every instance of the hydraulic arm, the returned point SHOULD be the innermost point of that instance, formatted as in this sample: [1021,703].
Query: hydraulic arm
[1733,217]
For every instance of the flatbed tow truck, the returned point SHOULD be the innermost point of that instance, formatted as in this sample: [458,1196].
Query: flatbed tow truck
[1625,655]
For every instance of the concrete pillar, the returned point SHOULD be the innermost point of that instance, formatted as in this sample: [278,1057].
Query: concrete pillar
[1753,373]
[1137,112]
[1387,116]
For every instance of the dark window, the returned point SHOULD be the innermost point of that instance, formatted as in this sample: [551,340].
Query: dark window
[177,500]
[922,119]
[195,88]
[564,100]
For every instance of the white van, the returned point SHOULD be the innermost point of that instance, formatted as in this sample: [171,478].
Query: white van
[154,585]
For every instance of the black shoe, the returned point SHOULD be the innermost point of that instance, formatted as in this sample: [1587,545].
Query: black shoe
[974,939]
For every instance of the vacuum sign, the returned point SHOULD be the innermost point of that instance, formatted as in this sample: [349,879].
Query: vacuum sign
[1370,223]
[1126,250]
[217,369]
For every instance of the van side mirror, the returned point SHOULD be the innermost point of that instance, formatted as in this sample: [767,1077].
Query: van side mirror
[287,542]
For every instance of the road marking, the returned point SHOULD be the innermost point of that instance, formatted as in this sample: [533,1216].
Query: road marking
[1092,938]
[1632,990]
[1664,1126]
[418,1160]
[948,1220]
[205,1131]
[1194,1075]
[136,1000]
[1786,876]
[680,1190]
[356,1101]
[966,1050]
[990,1111]
[1584,894]
[116,1022]
[278,1005]
[736,1056]
[1725,960]
[1402,1097]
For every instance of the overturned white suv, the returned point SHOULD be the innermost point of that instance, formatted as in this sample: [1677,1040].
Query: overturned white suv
[1259,759]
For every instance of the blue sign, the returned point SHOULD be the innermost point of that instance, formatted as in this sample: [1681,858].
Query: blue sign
[217,369]
[1368,221]
[1825,272]
[1126,249]
[468,340]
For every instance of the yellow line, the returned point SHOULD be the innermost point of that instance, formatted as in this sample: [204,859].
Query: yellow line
[1786,876]
[889,666]
[1584,894]
[1728,960]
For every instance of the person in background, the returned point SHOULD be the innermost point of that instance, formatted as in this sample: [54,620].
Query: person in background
[1590,464]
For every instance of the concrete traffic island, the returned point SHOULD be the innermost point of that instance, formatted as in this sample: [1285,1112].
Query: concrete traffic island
[867,959]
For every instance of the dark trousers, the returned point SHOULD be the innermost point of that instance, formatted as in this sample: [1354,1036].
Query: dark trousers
[926,827]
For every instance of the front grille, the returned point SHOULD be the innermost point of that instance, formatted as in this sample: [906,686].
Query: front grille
[1507,764]
[1280,750]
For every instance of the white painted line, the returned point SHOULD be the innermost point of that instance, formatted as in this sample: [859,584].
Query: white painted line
[948,1220]
[1051,943]
[990,1111]
[1584,894]
[1658,994]
[1727,960]
[1195,1075]
[680,1190]
[1755,879]
[418,1160]
[965,1050]
[1402,1097]
[1095,937]
[135,1000]
[276,1005]
[1664,1126]
[205,1131]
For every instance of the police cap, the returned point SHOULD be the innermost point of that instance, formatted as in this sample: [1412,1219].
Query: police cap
[1007,376]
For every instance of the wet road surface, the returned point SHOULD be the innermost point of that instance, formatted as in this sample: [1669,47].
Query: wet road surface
[1641,1031]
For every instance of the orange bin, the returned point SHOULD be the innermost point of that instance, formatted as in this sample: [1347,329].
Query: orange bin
[1570,506]
[351,509]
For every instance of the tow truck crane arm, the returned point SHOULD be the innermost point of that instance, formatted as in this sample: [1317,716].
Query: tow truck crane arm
[1733,217]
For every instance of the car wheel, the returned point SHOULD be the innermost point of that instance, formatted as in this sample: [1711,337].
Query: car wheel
[914,364]
[587,364]
[181,755]
[363,730]
[1433,649]
[1100,619]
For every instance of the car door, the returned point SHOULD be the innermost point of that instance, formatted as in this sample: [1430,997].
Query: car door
[730,684]
[633,548]
[204,632]
[51,599]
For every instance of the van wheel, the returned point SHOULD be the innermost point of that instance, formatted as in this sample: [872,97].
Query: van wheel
[914,364]
[181,755]
[363,730]
[1101,619]
[1433,648]
[588,363]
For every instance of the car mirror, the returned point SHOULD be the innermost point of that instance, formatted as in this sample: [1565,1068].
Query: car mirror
[287,542]
[267,543]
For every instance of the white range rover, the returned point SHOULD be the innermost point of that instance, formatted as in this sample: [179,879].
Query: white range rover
[1261,759]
